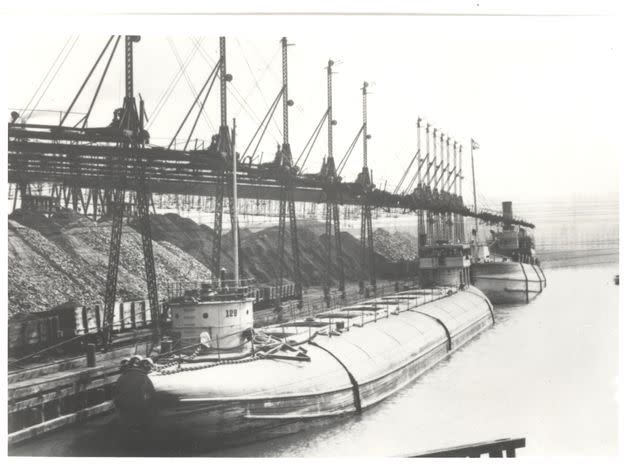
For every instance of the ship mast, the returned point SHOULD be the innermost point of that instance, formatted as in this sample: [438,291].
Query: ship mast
[456,234]
[435,222]
[461,194]
[473,146]
[440,186]
[329,168]
[428,185]
[448,231]
[235,207]
[224,131]
[422,236]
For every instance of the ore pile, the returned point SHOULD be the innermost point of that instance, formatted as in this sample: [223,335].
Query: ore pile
[259,250]
[261,257]
[395,246]
[64,258]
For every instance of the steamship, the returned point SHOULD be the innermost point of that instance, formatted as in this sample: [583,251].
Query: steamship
[506,269]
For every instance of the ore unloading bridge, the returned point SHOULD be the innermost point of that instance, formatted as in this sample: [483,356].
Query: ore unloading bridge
[108,164]
[73,158]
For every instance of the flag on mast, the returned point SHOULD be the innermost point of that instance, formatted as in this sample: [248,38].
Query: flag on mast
[474,144]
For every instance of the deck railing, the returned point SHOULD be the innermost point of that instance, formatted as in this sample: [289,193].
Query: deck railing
[179,289]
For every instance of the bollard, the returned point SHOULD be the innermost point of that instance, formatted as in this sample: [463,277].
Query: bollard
[90,352]
[166,345]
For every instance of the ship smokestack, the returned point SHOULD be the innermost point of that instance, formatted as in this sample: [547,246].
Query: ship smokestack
[507,215]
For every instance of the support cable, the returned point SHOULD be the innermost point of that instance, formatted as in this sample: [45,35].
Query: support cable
[310,144]
[236,94]
[248,109]
[188,81]
[203,104]
[87,78]
[411,183]
[415,176]
[266,119]
[98,88]
[50,69]
[210,77]
[173,82]
[63,61]
[264,130]
[256,82]
[345,157]
[404,176]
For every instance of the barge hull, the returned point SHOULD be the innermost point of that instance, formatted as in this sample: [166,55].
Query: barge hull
[358,375]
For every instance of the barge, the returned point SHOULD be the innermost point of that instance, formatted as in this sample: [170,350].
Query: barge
[237,384]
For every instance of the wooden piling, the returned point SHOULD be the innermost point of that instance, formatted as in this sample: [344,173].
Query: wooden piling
[90,352]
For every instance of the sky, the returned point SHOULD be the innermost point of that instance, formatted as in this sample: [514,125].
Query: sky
[542,96]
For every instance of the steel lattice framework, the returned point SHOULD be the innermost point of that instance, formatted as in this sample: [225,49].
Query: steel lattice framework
[117,160]
[332,203]
[131,130]
[367,238]
[285,178]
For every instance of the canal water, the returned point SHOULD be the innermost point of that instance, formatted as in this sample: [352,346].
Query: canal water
[546,371]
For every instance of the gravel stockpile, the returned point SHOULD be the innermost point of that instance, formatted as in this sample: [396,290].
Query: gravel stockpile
[64,259]
[41,275]
[395,246]
[259,250]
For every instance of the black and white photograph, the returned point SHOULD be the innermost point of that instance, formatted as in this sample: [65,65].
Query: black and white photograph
[378,230]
